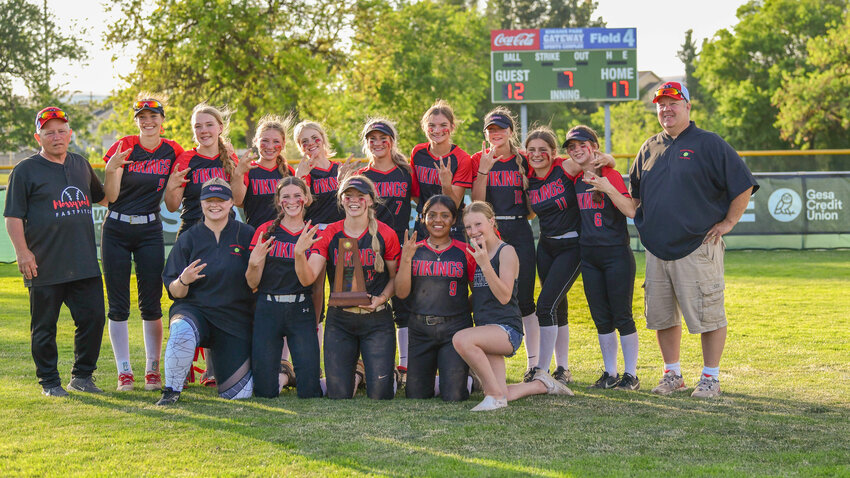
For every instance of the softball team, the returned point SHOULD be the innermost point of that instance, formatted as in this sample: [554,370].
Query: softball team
[249,290]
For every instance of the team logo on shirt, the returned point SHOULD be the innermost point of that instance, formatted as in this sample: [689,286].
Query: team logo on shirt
[479,280]
[236,250]
[686,154]
[546,191]
[324,185]
[72,200]
[200,176]
[263,186]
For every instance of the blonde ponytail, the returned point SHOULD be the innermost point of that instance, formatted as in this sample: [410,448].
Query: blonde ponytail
[376,244]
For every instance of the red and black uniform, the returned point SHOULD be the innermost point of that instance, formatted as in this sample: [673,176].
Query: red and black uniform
[133,227]
[505,193]
[395,188]
[284,310]
[201,169]
[426,182]
[553,199]
[323,186]
[349,334]
[261,184]
[54,201]
[439,306]
[607,261]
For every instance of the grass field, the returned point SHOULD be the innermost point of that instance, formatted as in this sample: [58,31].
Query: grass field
[785,409]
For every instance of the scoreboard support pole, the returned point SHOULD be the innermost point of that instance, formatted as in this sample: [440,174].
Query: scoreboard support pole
[607,107]
[523,121]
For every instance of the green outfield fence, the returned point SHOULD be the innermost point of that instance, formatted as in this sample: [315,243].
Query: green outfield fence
[791,210]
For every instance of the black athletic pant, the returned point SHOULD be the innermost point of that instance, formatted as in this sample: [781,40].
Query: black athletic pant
[608,273]
[517,233]
[430,350]
[558,262]
[144,241]
[84,299]
[295,321]
[349,335]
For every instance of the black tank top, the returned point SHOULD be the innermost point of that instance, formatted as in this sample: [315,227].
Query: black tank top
[486,308]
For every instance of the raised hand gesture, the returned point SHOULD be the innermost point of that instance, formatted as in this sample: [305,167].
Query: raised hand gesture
[409,247]
[445,170]
[246,163]
[304,166]
[306,239]
[479,251]
[347,168]
[488,158]
[117,161]
[192,272]
[177,178]
[598,183]
[261,251]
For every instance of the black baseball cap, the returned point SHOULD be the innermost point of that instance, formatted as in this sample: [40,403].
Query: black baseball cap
[216,191]
[359,185]
[578,135]
[150,105]
[382,127]
[500,120]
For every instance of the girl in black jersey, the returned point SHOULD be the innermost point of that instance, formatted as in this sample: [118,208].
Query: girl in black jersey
[284,306]
[607,262]
[205,276]
[434,277]
[390,171]
[137,170]
[501,180]
[440,167]
[213,157]
[366,330]
[254,182]
[498,322]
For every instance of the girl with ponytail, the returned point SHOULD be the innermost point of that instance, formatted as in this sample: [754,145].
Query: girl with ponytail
[254,182]
[365,329]
[391,173]
[284,305]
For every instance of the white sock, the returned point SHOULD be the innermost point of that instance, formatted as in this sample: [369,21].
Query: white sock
[548,335]
[153,344]
[630,352]
[531,326]
[712,372]
[401,334]
[437,386]
[562,347]
[179,353]
[284,353]
[323,384]
[469,384]
[319,334]
[608,345]
[120,338]
[674,367]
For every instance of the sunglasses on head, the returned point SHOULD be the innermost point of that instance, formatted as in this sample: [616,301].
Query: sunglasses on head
[147,104]
[669,91]
[51,114]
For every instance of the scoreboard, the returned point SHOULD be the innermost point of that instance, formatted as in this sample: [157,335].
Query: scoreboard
[563,65]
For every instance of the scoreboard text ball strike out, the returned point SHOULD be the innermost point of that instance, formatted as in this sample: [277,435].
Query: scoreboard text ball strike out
[563,65]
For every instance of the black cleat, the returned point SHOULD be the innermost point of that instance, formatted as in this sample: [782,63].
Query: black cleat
[606,381]
[529,374]
[54,391]
[169,397]
[628,382]
[84,384]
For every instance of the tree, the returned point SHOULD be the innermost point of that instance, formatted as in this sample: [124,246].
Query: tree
[256,56]
[517,14]
[814,106]
[740,72]
[688,55]
[27,55]
[631,124]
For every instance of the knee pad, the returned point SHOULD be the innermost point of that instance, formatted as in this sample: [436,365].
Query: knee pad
[244,388]
[183,332]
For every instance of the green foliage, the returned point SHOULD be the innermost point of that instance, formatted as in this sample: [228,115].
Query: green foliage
[814,106]
[27,56]
[517,14]
[254,56]
[741,71]
[402,61]
[632,123]
[688,55]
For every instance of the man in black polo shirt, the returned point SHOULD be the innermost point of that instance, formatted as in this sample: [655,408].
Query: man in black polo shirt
[48,217]
[690,188]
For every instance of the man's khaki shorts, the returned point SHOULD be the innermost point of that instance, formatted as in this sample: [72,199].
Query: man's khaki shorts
[691,286]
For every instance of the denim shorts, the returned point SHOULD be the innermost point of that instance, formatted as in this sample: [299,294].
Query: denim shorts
[513,336]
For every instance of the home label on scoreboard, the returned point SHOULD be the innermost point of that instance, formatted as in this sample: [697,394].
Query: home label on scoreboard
[563,65]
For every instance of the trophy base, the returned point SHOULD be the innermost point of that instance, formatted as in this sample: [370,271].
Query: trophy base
[349,299]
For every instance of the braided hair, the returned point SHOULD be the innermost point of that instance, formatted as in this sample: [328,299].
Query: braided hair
[222,116]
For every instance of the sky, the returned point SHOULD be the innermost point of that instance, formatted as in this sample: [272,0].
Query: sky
[659,36]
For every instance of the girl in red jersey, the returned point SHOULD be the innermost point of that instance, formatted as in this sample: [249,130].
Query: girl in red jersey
[498,322]
[607,262]
[284,306]
[501,180]
[254,182]
[137,170]
[434,277]
[391,173]
[439,166]
[365,330]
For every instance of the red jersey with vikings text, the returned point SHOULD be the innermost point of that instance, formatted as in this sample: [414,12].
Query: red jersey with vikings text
[426,175]
[279,272]
[201,169]
[504,185]
[395,188]
[323,186]
[553,199]
[439,283]
[143,180]
[261,184]
[328,247]
[602,224]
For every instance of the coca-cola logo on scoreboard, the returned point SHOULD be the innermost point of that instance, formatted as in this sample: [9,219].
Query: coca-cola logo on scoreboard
[515,39]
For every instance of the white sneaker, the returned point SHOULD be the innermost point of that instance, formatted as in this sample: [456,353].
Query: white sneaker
[490,403]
